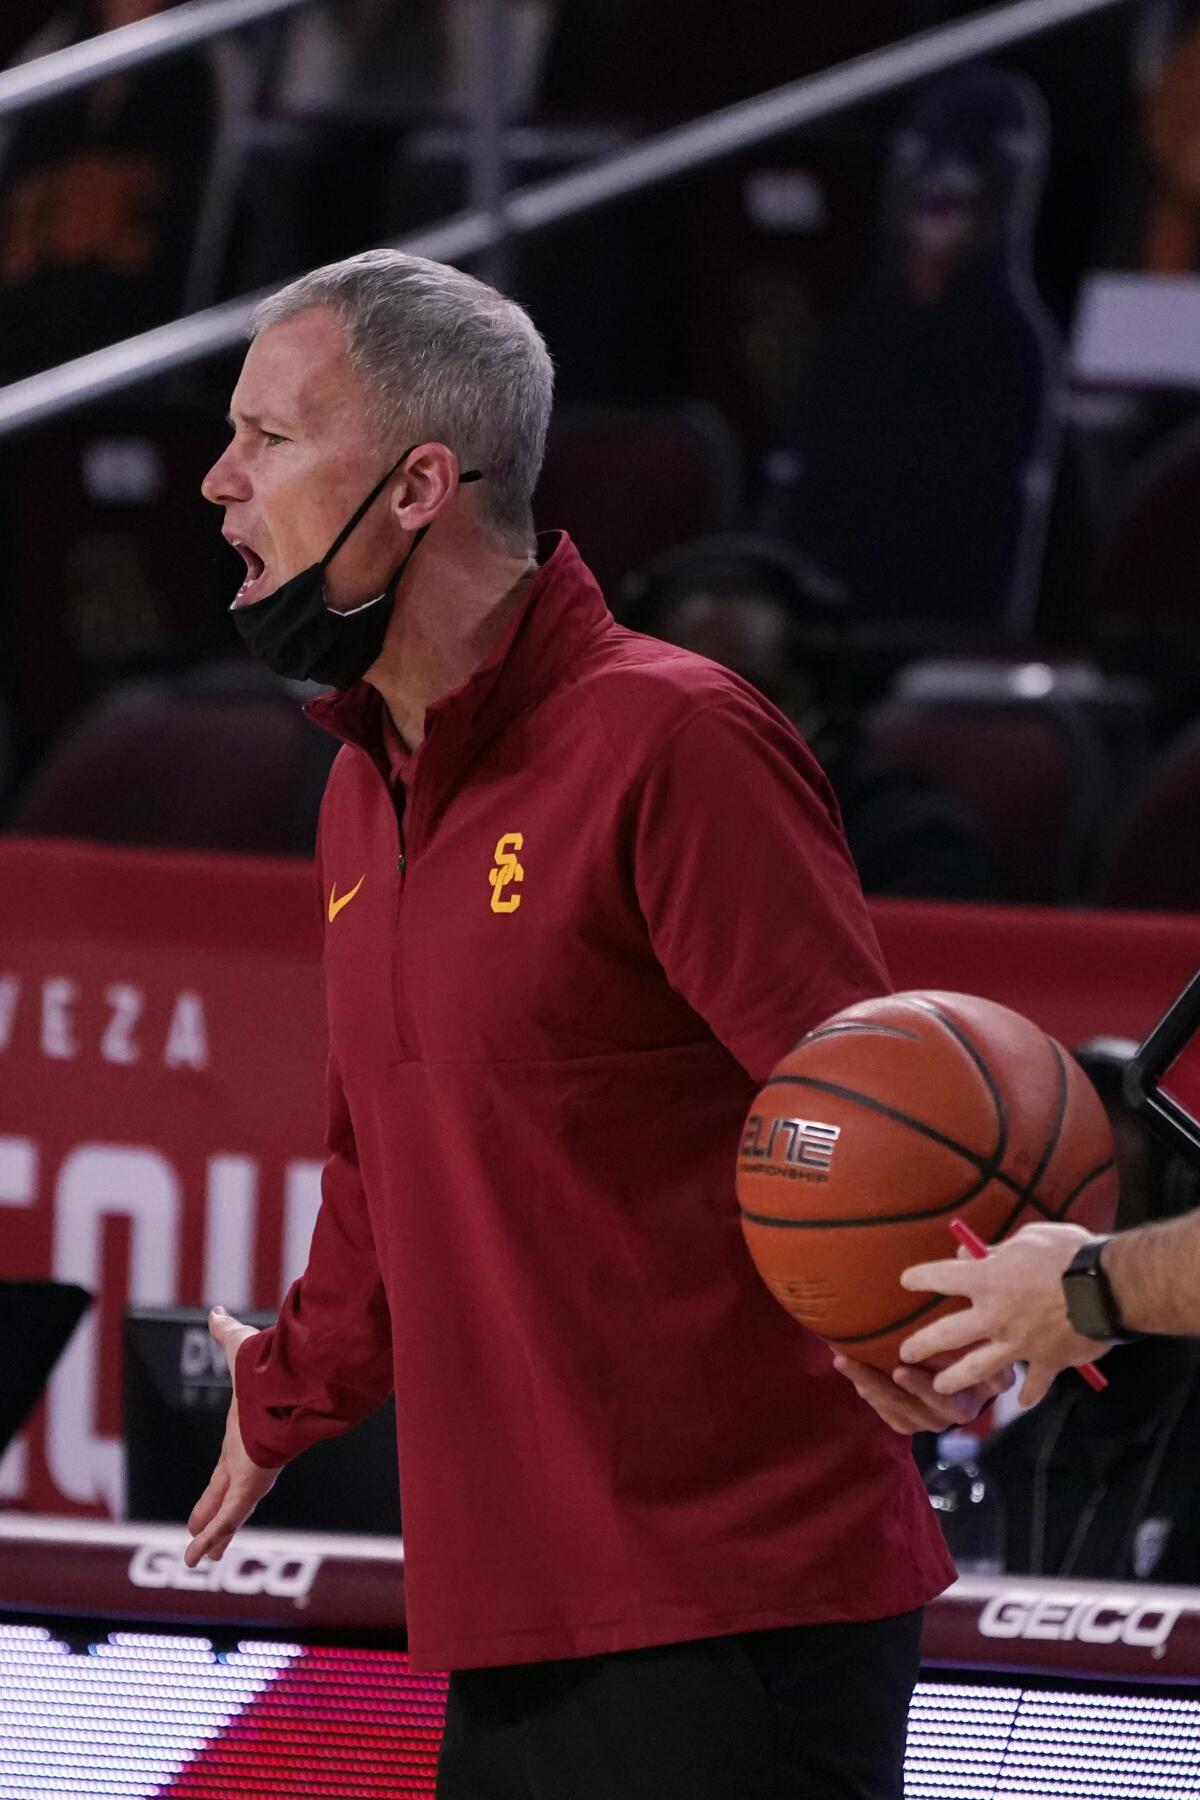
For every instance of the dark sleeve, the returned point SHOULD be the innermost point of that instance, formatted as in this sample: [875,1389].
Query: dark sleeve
[743,876]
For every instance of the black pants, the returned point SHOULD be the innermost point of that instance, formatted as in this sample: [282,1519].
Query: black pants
[812,1712]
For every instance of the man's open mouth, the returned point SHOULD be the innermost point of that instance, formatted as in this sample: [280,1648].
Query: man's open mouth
[256,568]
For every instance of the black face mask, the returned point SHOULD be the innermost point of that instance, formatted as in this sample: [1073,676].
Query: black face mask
[298,636]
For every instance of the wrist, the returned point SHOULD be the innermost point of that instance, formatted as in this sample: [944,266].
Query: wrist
[1122,1268]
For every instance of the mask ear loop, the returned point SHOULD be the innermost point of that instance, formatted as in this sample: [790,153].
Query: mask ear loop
[357,518]
[394,582]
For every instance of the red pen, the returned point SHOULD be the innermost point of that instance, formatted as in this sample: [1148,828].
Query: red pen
[974,1246]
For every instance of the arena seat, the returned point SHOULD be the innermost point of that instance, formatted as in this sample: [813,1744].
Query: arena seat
[116,567]
[219,759]
[1147,572]
[1031,767]
[631,481]
[1153,860]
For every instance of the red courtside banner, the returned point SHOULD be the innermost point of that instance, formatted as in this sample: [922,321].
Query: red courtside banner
[161,1092]
[162,1041]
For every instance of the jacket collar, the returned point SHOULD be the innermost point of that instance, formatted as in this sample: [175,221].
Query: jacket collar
[560,612]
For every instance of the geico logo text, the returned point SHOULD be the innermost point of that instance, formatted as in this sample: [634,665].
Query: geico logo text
[1144,1624]
[239,1572]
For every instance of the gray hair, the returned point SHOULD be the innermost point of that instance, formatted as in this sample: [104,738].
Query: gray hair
[443,358]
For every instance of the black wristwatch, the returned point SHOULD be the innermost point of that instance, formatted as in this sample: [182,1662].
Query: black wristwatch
[1091,1304]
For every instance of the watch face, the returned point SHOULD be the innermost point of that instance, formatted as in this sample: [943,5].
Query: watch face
[1085,1305]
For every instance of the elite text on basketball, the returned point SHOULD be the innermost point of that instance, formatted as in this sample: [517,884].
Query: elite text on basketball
[801,1148]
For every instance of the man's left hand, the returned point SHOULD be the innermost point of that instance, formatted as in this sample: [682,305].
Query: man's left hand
[1017,1312]
[908,1401]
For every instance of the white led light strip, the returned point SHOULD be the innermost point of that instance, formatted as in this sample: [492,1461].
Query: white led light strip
[979,1743]
[120,1722]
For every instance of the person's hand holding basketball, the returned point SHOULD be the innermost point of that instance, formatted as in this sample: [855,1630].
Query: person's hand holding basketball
[1016,1312]
[238,1483]
[909,1401]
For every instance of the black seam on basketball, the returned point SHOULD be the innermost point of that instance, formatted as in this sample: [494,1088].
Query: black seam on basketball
[1026,1199]
[866,1337]
[1026,1195]
[977,1057]
[1096,1173]
[1052,1215]
[839,1092]
[862,1027]
[1056,1132]
[905,1218]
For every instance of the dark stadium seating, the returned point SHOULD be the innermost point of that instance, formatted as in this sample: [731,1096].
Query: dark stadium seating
[630,481]
[1154,859]
[221,759]
[1147,574]
[1032,771]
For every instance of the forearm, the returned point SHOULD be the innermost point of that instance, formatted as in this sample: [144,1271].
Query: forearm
[1155,1275]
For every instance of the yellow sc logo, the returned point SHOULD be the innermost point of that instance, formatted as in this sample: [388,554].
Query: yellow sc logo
[506,871]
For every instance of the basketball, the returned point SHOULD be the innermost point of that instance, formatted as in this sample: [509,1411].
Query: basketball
[891,1119]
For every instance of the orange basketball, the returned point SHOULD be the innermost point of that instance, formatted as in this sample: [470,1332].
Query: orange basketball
[886,1122]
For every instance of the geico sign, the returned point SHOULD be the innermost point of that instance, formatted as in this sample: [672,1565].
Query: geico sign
[1144,1624]
[239,1572]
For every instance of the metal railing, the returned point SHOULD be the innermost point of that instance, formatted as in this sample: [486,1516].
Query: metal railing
[128,47]
[544,203]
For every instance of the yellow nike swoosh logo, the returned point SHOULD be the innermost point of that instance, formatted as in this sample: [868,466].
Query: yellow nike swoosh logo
[336,905]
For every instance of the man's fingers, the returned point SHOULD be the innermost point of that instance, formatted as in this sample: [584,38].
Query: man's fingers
[1037,1384]
[904,1412]
[953,1276]
[206,1541]
[954,1332]
[979,1365]
[214,1538]
[944,1409]
[211,1543]
[229,1332]
[210,1500]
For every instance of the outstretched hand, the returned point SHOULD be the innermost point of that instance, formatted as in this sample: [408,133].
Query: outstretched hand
[238,1483]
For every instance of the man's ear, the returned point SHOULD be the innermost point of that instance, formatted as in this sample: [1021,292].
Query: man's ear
[427,483]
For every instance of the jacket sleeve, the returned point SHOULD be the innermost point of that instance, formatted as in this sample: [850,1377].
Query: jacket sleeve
[747,887]
[327,1361]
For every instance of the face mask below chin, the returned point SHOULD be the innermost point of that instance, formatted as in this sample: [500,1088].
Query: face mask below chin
[298,636]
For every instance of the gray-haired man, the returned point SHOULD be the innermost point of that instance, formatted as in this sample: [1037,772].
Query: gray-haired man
[663,1548]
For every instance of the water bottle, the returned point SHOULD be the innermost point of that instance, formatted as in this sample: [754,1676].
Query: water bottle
[966,1507]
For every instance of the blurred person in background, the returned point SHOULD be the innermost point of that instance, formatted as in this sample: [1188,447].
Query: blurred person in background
[113,198]
[920,463]
[775,620]
[1106,1486]
[661,1547]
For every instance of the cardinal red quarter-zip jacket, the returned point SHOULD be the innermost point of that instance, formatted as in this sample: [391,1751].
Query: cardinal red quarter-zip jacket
[614,893]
